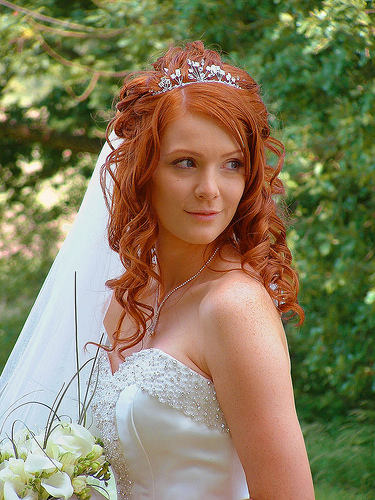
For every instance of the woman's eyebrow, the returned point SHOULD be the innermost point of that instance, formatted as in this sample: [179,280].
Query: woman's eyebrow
[183,151]
[195,153]
[232,153]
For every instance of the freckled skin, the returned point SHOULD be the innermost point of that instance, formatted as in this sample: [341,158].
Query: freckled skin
[246,354]
[200,168]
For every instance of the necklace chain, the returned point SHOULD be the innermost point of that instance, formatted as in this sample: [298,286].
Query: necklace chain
[151,329]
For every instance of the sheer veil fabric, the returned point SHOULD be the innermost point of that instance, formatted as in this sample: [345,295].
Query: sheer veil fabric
[44,356]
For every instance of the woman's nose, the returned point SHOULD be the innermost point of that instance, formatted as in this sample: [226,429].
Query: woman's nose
[207,187]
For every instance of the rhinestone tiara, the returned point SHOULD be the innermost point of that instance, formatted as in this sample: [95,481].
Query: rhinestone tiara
[197,73]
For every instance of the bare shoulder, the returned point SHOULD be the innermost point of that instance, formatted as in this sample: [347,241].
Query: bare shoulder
[245,353]
[233,290]
[237,293]
[238,313]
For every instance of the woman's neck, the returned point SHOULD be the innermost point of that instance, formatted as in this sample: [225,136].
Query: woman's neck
[178,264]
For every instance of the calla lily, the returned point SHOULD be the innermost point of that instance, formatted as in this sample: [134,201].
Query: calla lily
[13,481]
[11,491]
[58,485]
[13,478]
[57,471]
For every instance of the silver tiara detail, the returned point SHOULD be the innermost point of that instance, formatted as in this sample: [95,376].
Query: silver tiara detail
[198,73]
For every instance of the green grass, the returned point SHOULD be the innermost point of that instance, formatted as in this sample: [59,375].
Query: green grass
[328,492]
[342,458]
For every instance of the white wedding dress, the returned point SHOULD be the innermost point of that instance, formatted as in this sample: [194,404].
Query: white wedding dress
[164,432]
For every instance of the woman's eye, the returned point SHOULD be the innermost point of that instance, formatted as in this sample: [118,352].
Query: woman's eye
[184,163]
[234,164]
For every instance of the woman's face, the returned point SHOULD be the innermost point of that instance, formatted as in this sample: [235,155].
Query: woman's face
[198,182]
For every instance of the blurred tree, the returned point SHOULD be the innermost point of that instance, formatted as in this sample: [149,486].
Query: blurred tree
[62,64]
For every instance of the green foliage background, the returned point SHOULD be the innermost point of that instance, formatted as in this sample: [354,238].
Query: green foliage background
[61,64]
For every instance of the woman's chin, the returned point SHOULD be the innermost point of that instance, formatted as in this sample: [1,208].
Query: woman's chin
[192,236]
[201,239]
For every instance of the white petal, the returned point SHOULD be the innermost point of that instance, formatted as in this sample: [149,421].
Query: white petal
[80,430]
[6,474]
[10,492]
[7,448]
[71,437]
[13,470]
[12,489]
[58,485]
[31,495]
[35,463]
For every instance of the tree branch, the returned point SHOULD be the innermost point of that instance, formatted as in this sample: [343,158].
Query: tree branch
[51,52]
[55,140]
[76,34]
[87,92]
[48,19]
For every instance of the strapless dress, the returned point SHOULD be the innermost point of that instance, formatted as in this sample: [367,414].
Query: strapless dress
[164,432]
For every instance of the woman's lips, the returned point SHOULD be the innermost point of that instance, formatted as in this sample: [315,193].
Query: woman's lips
[204,215]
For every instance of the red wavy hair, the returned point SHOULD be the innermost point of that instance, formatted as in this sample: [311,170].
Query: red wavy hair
[256,231]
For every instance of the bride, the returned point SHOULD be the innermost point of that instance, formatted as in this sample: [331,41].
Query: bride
[194,398]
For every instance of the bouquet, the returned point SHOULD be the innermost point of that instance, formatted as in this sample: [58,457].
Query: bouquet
[63,459]
[31,468]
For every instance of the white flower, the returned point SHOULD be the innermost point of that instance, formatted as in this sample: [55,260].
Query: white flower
[10,492]
[53,466]
[16,473]
[14,469]
[72,438]
[23,440]
[58,485]
[38,463]
[13,479]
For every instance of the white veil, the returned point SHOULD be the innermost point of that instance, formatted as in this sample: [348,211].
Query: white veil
[44,356]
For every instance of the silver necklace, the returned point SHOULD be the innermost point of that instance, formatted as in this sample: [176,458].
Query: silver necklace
[151,329]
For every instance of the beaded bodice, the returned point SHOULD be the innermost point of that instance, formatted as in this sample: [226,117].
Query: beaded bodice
[160,376]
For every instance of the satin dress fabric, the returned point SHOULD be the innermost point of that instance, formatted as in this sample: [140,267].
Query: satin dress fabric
[164,432]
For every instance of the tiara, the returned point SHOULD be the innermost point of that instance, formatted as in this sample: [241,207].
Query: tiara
[198,73]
